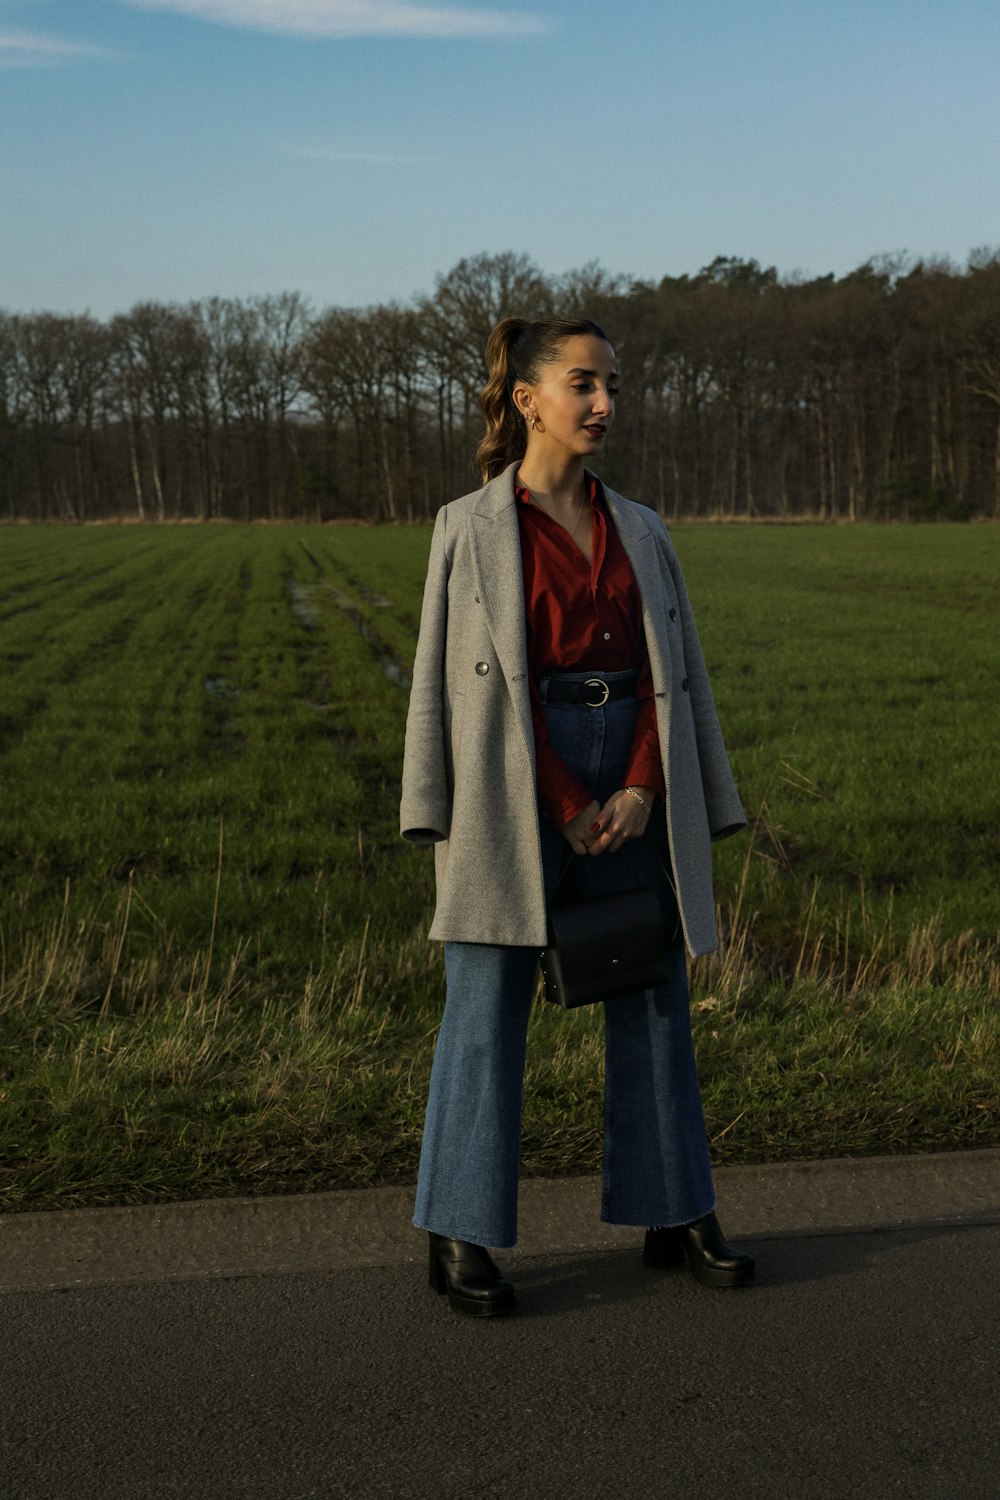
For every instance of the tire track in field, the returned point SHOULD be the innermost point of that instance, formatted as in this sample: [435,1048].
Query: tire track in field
[367,765]
[388,661]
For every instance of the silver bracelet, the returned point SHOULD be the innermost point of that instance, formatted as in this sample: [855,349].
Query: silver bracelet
[641,800]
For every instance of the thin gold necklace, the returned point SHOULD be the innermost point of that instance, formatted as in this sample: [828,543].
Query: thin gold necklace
[579,516]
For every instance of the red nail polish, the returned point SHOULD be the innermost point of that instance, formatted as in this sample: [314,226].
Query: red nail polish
[595,827]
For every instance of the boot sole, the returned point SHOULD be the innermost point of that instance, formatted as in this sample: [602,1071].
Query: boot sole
[714,1276]
[471,1308]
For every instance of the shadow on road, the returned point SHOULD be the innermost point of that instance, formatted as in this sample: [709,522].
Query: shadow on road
[564,1284]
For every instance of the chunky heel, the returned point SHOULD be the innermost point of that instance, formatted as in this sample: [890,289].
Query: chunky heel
[710,1260]
[467,1273]
[663,1249]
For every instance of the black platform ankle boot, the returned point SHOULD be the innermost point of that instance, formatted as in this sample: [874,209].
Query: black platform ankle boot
[710,1260]
[467,1273]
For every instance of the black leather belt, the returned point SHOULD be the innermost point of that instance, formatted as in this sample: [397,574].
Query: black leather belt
[594,692]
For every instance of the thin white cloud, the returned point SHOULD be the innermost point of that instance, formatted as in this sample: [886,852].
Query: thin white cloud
[26,49]
[349,154]
[344,18]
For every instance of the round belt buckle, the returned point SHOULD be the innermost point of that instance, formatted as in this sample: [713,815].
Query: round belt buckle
[598,682]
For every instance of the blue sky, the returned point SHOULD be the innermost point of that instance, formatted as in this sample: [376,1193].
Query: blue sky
[352,149]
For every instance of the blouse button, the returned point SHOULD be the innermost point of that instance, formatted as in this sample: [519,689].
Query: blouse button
[673,614]
[607,635]
[684,686]
[482,667]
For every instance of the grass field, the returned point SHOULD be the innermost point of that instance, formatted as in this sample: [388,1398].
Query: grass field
[213,972]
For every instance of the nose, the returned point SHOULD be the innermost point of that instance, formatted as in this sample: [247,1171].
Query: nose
[604,402]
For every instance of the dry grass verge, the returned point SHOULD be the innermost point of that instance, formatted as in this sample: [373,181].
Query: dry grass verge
[172,1075]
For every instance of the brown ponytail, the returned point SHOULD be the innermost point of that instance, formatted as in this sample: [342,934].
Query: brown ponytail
[515,350]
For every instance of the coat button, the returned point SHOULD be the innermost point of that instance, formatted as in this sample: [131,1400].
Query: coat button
[482,667]
[673,614]
[684,686]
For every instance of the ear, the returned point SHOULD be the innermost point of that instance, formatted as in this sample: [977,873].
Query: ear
[523,399]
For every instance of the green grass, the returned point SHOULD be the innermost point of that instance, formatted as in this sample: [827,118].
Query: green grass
[188,691]
[213,974]
[856,676]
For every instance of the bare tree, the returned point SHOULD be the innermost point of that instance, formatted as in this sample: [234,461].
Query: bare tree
[745,394]
[983,335]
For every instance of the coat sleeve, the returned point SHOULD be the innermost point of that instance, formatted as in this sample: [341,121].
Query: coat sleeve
[425,807]
[725,810]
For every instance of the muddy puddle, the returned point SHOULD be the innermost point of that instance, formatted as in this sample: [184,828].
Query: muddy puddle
[304,608]
[221,687]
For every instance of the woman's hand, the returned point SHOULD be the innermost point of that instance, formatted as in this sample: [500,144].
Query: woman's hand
[621,820]
[581,831]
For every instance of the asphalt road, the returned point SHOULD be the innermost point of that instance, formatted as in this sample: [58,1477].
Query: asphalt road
[862,1363]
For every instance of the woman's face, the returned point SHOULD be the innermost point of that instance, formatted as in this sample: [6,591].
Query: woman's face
[573,400]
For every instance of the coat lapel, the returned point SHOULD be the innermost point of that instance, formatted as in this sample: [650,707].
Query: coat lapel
[495,540]
[640,549]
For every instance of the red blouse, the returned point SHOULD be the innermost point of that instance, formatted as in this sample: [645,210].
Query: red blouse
[583,615]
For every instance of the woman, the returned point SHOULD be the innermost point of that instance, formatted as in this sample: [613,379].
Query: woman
[560,707]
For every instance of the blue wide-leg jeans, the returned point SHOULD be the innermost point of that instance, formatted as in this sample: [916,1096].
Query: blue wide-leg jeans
[656,1166]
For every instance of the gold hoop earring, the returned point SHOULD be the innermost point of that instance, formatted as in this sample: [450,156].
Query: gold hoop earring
[531,423]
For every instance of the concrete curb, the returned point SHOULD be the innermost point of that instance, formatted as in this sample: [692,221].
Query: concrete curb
[322,1232]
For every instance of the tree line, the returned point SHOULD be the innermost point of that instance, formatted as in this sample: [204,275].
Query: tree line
[745,394]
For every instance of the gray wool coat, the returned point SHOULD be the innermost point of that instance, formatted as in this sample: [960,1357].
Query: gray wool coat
[469,763]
